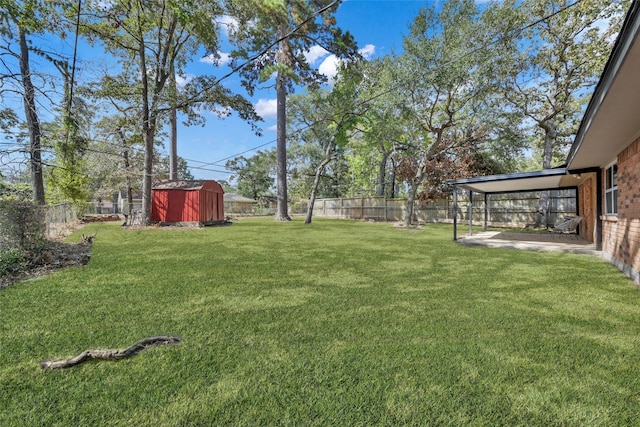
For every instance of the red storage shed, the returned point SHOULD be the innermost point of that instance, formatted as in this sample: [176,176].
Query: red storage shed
[183,201]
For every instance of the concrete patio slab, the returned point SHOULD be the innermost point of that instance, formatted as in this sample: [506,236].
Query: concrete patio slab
[542,242]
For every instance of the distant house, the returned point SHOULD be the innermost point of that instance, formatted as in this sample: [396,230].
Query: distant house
[182,201]
[123,204]
[101,207]
[235,203]
[603,164]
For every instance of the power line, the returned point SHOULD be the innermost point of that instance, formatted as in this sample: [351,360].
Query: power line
[401,83]
[268,48]
[373,97]
[75,56]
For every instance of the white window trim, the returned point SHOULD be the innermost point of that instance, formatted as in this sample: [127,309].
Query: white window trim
[607,191]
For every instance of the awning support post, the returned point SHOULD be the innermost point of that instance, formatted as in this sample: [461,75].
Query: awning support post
[486,210]
[455,213]
[470,213]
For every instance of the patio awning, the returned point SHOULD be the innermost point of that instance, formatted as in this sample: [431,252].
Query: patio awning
[547,179]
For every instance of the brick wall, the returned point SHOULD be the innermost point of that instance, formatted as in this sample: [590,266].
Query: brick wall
[621,234]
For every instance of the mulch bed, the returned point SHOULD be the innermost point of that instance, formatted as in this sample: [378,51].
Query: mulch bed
[52,256]
[55,255]
[100,218]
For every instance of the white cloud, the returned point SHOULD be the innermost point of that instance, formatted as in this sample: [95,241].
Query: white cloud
[368,51]
[225,58]
[329,67]
[227,24]
[315,53]
[181,81]
[222,59]
[273,128]
[209,59]
[266,108]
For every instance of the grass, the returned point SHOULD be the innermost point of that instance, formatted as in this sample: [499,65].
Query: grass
[337,323]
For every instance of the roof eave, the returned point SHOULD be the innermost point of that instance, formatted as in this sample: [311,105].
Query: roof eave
[626,37]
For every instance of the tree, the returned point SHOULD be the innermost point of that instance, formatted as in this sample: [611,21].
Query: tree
[17,21]
[152,41]
[68,135]
[115,157]
[8,123]
[304,153]
[298,25]
[326,119]
[372,150]
[253,175]
[163,169]
[442,75]
[547,81]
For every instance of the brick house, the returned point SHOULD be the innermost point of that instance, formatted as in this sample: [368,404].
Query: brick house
[603,164]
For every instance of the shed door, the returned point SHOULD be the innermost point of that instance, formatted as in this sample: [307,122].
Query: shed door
[210,206]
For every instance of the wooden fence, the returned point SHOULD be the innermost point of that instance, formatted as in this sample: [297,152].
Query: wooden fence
[509,209]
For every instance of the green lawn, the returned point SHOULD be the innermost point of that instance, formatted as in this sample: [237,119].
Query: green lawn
[336,323]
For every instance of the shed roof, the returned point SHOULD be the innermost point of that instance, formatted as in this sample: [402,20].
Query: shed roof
[233,197]
[182,184]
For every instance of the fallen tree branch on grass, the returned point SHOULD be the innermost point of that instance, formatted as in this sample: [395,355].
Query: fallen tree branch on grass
[109,354]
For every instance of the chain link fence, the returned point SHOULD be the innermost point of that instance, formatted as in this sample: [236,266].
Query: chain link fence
[59,218]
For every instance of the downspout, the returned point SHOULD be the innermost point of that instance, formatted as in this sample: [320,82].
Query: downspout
[599,196]
[577,197]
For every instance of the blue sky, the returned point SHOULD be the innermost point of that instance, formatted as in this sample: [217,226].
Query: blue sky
[378,27]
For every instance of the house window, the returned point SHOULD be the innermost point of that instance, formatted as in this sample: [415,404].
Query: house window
[611,190]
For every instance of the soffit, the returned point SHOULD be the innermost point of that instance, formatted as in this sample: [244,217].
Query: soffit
[548,179]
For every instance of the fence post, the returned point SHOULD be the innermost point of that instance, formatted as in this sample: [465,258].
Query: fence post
[386,214]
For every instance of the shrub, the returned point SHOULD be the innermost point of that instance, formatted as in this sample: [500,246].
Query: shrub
[22,225]
[11,261]
[20,191]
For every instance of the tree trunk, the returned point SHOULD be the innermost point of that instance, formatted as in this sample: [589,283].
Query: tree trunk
[392,195]
[408,219]
[127,177]
[148,133]
[33,123]
[382,174]
[543,209]
[550,138]
[173,118]
[282,213]
[312,199]
[147,180]
[316,181]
